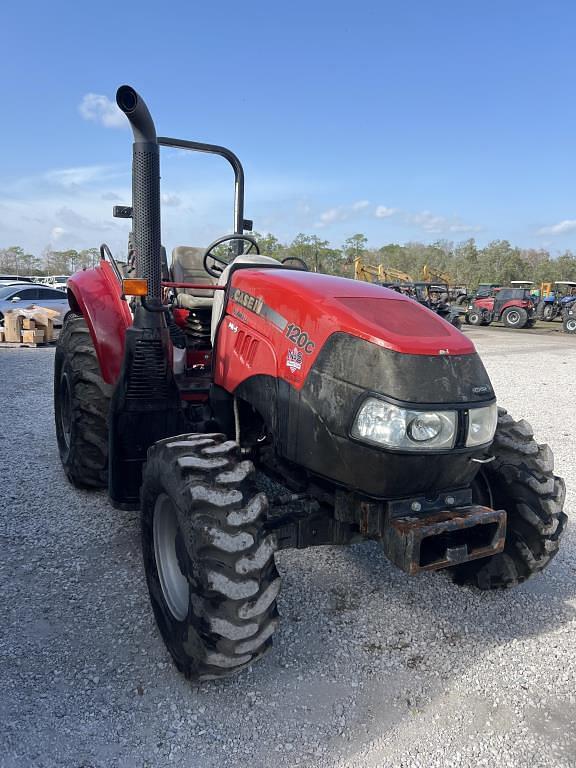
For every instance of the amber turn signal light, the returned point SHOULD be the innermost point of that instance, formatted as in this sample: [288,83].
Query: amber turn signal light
[135,287]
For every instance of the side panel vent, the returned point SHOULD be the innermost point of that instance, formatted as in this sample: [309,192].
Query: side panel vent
[148,373]
[245,347]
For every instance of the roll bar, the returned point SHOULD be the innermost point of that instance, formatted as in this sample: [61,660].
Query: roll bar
[227,154]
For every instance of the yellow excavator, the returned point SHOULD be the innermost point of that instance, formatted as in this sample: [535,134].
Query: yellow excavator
[431,276]
[378,274]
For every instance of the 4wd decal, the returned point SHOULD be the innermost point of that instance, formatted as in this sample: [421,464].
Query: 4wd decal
[294,359]
[300,337]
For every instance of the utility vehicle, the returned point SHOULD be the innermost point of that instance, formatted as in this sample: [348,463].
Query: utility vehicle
[194,391]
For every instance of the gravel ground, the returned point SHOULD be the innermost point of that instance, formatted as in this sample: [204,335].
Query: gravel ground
[370,667]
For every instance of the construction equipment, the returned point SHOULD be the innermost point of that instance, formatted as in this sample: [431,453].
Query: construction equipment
[457,293]
[369,416]
[513,306]
[371,273]
[391,275]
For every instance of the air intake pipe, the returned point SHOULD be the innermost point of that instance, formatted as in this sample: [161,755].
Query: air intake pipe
[145,189]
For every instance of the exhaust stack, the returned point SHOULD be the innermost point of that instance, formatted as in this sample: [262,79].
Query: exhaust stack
[145,189]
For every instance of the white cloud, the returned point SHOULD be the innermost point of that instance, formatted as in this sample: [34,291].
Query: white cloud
[56,233]
[438,225]
[69,177]
[99,109]
[330,216]
[170,199]
[341,213]
[382,212]
[568,225]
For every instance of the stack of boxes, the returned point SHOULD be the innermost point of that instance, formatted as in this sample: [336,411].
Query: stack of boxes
[33,327]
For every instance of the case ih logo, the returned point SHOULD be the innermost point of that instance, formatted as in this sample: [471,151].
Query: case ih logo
[253,303]
[294,359]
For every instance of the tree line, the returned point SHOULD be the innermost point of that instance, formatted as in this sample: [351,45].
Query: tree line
[17,261]
[465,262]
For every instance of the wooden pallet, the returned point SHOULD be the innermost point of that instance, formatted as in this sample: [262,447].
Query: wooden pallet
[13,344]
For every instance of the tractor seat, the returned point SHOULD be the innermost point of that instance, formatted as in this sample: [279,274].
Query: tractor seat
[188,267]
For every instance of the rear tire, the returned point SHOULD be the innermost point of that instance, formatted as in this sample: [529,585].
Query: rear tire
[515,317]
[81,404]
[521,481]
[208,559]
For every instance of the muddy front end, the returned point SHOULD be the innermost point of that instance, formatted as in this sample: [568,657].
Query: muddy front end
[404,435]
[383,407]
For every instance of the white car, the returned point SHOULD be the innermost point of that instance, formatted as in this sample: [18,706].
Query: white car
[24,294]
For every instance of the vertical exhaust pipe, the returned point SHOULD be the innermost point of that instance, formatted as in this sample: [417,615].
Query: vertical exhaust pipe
[145,189]
[145,405]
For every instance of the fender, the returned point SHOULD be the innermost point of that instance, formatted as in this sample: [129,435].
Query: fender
[96,294]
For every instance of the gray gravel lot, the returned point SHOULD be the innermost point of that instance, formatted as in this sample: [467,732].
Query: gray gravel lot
[370,667]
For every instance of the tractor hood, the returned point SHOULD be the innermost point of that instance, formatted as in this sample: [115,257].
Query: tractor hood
[305,350]
[320,305]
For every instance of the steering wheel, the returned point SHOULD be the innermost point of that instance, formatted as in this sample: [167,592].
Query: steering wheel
[295,262]
[215,264]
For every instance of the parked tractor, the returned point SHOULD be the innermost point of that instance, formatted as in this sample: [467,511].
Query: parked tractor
[513,306]
[569,317]
[245,407]
[436,296]
[556,299]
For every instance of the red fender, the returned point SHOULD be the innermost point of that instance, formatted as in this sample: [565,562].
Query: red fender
[96,294]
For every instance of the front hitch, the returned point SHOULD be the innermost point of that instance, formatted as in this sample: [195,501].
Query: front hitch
[428,542]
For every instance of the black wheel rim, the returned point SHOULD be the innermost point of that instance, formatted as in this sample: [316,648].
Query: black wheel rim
[66,409]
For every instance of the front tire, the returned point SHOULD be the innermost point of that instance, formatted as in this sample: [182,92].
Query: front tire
[474,317]
[208,559]
[81,405]
[520,480]
[569,324]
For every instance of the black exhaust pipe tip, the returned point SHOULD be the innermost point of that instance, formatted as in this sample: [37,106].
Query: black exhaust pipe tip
[126,98]
[135,109]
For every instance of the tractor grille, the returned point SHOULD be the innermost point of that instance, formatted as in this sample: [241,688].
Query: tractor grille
[148,374]
[146,207]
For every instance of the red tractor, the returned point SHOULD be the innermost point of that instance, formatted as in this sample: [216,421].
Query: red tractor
[513,306]
[246,406]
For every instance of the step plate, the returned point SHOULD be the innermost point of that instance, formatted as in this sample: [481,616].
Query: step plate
[430,542]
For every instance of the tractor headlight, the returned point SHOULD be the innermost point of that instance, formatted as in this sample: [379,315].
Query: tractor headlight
[481,425]
[387,425]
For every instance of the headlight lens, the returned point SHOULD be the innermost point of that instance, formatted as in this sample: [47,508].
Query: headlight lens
[388,425]
[482,425]
[426,426]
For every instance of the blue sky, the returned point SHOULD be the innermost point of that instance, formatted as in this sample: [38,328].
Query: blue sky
[411,120]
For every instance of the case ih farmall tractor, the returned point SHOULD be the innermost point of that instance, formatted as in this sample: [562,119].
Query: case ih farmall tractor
[513,306]
[373,416]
